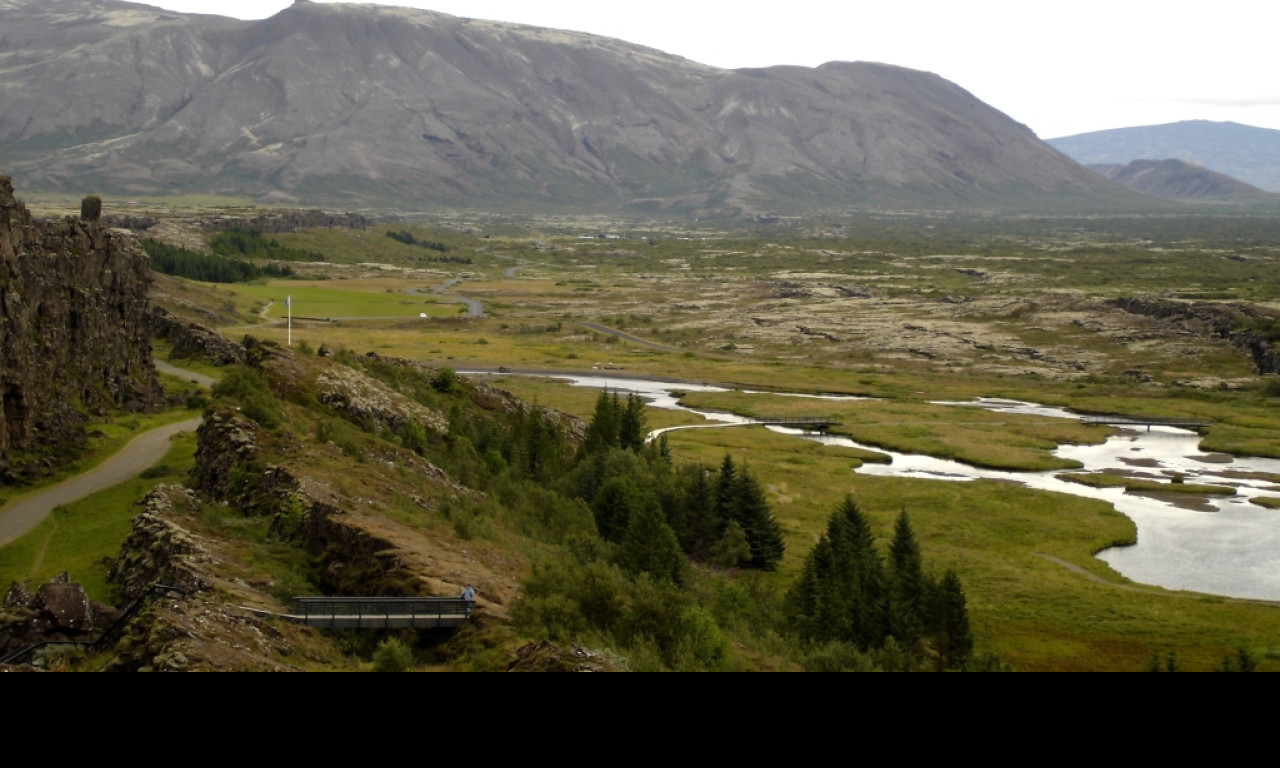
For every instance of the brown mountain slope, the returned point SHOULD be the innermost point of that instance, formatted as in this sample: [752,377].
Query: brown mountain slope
[361,104]
[1178,180]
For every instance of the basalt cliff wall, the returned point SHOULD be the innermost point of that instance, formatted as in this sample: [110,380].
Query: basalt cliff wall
[74,331]
[1214,320]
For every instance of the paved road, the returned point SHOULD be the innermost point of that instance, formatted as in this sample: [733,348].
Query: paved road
[629,337]
[143,452]
[19,517]
[474,308]
[173,370]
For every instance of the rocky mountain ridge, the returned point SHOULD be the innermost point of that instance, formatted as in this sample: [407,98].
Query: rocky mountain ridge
[369,105]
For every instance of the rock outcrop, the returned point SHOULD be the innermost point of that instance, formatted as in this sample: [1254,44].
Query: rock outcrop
[58,611]
[75,332]
[1215,320]
[362,399]
[193,341]
[160,550]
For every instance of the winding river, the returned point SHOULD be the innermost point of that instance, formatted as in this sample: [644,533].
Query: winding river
[1220,545]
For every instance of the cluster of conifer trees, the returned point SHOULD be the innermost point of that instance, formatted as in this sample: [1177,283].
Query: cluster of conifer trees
[407,238]
[721,517]
[255,245]
[847,593]
[182,262]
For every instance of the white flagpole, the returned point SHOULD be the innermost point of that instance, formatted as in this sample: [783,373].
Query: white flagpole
[288,304]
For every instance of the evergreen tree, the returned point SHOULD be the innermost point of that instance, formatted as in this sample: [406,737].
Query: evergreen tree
[649,546]
[631,424]
[750,508]
[907,587]
[614,505]
[602,432]
[840,595]
[954,639]
[693,514]
[860,571]
[1240,661]
[726,484]
[733,549]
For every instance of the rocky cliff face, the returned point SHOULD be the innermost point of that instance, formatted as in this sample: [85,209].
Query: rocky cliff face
[74,329]
[1212,320]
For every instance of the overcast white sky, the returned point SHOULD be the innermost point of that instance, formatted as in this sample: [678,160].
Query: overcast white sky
[1062,68]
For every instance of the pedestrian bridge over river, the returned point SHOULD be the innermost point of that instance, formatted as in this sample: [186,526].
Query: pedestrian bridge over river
[1132,421]
[380,612]
[808,423]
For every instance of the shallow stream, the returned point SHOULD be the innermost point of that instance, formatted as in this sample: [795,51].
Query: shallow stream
[1221,545]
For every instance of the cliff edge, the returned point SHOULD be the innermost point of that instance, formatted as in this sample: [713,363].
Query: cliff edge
[75,331]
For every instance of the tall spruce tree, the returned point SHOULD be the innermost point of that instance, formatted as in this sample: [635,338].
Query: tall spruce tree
[602,431]
[749,506]
[649,546]
[693,513]
[631,424]
[840,595]
[862,575]
[614,505]
[907,590]
[726,482]
[954,638]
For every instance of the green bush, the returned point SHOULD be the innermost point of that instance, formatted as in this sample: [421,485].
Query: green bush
[446,380]
[249,390]
[392,656]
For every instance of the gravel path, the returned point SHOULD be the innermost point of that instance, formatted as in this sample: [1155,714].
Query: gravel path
[143,452]
[19,517]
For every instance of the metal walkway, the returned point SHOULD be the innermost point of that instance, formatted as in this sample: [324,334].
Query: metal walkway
[380,612]
[1137,421]
[818,423]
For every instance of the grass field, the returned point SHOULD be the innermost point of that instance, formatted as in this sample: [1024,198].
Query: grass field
[969,435]
[374,298]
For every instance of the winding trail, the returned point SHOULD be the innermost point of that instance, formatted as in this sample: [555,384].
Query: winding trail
[19,517]
[141,453]
[173,370]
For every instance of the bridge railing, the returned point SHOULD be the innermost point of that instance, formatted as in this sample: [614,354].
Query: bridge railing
[1138,421]
[382,606]
[823,421]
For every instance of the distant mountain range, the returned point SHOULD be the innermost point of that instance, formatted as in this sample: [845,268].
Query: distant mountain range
[1243,152]
[1180,180]
[373,106]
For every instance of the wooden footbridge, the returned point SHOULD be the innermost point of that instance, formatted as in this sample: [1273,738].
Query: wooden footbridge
[381,612]
[809,423]
[1138,421]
